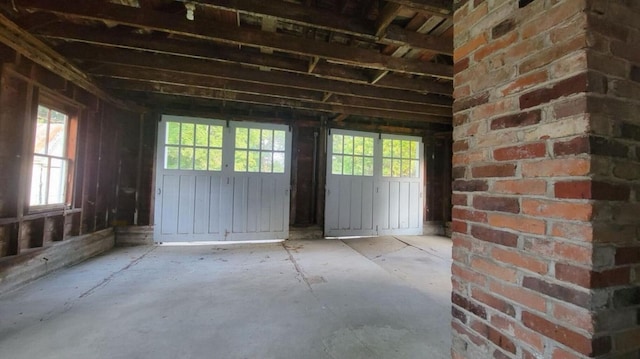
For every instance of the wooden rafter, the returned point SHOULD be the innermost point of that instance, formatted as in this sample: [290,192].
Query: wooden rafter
[235,72]
[389,12]
[199,92]
[328,20]
[234,89]
[176,24]
[441,8]
[112,38]
[27,45]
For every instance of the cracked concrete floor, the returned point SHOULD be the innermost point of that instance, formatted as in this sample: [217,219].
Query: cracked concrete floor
[385,297]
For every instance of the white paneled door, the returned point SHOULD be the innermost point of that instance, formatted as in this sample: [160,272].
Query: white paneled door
[219,180]
[374,184]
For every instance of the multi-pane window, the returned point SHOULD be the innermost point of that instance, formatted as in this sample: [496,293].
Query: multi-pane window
[192,146]
[400,158]
[51,163]
[352,155]
[259,150]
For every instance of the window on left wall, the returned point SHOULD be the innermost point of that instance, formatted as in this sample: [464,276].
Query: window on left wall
[52,163]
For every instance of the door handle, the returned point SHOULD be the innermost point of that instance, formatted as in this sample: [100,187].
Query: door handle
[159,191]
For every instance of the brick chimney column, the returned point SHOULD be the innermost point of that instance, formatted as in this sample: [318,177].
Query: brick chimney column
[546,192]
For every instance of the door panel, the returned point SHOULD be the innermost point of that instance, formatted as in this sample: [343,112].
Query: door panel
[170,191]
[215,206]
[203,195]
[201,208]
[387,199]
[402,174]
[261,180]
[350,196]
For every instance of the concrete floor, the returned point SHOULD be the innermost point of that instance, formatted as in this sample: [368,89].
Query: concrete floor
[382,297]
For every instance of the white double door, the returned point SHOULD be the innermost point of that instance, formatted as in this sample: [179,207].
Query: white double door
[374,184]
[218,180]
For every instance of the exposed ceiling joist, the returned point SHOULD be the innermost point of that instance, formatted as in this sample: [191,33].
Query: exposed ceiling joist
[175,47]
[27,45]
[235,72]
[238,88]
[328,20]
[198,92]
[388,14]
[176,24]
[441,8]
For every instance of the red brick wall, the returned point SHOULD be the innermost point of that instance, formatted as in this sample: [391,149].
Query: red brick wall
[546,149]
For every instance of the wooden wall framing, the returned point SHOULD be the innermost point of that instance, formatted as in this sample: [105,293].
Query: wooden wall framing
[111,143]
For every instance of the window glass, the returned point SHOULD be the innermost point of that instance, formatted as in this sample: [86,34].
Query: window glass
[253,161]
[400,158]
[173,133]
[254,138]
[215,160]
[51,165]
[267,140]
[278,141]
[187,134]
[352,155]
[278,162]
[202,135]
[186,158]
[266,150]
[171,158]
[190,146]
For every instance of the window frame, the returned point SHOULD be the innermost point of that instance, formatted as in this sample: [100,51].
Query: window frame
[364,156]
[70,151]
[179,146]
[260,150]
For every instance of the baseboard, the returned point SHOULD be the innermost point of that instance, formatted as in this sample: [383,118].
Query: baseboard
[16,271]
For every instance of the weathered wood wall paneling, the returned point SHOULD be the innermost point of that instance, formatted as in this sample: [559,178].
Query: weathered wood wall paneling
[107,138]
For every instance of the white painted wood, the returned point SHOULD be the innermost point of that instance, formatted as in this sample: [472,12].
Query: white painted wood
[373,205]
[260,204]
[349,209]
[187,202]
[405,200]
[200,205]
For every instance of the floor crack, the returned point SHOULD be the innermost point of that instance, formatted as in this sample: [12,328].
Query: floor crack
[69,304]
[110,277]
[297,267]
[421,249]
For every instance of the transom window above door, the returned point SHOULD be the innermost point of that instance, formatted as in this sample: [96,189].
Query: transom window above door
[192,146]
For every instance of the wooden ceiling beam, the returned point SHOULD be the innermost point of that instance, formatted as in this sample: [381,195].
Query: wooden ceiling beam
[203,107]
[328,20]
[388,14]
[235,72]
[178,25]
[440,8]
[74,34]
[200,92]
[32,48]
[188,79]
[280,92]
[297,14]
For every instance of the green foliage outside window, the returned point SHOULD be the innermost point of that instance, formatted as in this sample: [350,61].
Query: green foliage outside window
[352,155]
[259,150]
[400,158]
[190,146]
